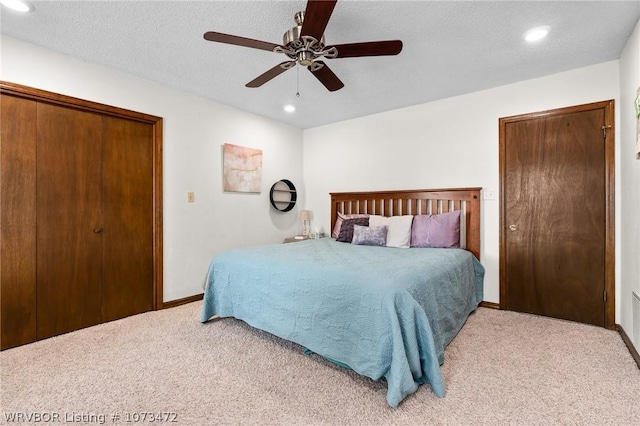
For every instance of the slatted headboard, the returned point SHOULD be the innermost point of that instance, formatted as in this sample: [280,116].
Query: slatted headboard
[415,202]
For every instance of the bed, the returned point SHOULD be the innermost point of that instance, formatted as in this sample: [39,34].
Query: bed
[385,312]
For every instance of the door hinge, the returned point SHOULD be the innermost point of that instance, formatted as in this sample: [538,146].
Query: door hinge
[604,131]
[605,296]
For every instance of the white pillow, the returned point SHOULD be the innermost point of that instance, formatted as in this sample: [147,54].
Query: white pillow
[398,229]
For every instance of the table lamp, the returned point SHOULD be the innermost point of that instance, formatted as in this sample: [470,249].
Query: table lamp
[305,217]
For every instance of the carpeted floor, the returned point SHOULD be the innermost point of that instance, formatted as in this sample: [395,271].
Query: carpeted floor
[503,368]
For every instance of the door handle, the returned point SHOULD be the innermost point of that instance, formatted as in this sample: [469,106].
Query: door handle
[512,227]
[97,230]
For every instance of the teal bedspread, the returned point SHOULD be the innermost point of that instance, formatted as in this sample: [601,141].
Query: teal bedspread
[384,312]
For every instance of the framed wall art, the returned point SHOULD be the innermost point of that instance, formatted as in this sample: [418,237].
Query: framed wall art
[242,168]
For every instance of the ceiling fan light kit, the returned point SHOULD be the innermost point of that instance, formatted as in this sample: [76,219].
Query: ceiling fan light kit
[304,44]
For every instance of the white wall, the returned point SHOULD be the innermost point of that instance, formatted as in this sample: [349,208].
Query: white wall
[194,131]
[630,183]
[442,144]
[447,143]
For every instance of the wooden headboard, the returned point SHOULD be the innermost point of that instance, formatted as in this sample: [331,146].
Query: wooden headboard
[415,202]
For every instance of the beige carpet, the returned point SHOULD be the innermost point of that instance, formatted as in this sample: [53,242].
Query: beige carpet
[503,368]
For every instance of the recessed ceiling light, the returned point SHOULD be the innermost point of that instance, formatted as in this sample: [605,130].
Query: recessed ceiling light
[18,5]
[289,108]
[537,33]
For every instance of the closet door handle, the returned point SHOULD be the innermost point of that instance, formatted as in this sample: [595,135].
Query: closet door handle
[97,230]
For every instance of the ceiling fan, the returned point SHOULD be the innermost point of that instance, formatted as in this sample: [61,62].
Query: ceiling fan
[304,44]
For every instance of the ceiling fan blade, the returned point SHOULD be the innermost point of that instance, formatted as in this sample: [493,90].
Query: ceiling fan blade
[371,48]
[272,73]
[316,17]
[327,77]
[239,41]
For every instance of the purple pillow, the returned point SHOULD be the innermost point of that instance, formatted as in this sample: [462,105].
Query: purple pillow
[346,230]
[369,235]
[436,230]
[341,217]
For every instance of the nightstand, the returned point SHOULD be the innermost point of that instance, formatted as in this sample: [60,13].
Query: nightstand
[294,239]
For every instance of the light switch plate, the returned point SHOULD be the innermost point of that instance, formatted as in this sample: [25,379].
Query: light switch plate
[488,194]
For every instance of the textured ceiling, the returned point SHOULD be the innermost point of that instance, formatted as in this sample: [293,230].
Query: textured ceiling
[450,47]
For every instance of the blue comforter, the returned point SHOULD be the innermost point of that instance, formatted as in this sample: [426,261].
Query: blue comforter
[384,312]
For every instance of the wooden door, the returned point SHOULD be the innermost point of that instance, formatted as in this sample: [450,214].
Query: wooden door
[69,219]
[556,218]
[17,221]
[81,220]
[128,217]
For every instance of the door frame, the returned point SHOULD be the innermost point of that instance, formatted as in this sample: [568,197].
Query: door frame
[609,160]
[39,95]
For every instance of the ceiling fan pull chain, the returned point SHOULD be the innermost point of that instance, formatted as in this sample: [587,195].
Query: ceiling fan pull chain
[298,82]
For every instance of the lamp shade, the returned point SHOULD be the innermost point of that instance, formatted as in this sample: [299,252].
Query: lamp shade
[305,215]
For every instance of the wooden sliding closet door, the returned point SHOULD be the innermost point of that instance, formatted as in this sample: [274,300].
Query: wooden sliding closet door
[69,220]
[127,171]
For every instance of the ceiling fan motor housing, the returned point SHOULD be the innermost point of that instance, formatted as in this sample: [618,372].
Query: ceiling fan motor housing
[303,49]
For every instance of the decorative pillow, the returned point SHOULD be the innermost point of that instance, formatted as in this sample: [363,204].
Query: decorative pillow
[436,230]
[369,235]
[399,229]
[341,217]
[346,230]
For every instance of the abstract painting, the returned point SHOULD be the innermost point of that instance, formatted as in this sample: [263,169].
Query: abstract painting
[242,169]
